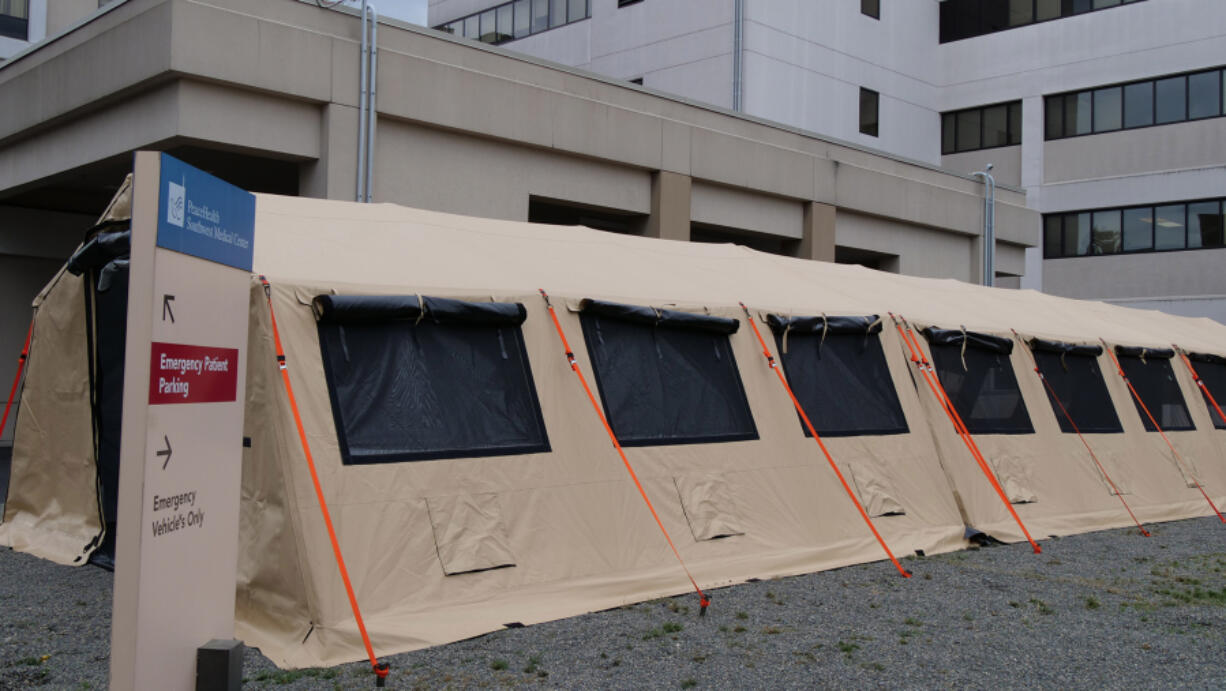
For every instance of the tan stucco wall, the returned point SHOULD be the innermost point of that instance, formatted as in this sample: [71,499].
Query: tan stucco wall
[1006,163]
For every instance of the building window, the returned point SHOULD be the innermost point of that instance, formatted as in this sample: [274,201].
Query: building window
[871,8]
[414,378]
[976,372]
[637,80]
[1074,375]
[517,19]
[666,377]
[837,369]
[1176,98]
[869,101]
[985,127]
[624,3]
[15,19]
[969,18]
[1149,228]
[1212,371]
[1149,371]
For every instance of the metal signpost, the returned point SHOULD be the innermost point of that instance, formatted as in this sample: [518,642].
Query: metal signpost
[181,445]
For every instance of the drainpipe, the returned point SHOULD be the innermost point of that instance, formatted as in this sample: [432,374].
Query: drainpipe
[738,33]
[989,225]
[368,66]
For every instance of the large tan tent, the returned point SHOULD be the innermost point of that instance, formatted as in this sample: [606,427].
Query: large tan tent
[473,484]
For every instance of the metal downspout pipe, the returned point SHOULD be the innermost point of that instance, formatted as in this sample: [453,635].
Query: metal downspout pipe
[738,36]
[989,225]
[368,68]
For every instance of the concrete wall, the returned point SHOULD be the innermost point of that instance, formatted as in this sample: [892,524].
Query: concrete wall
[1006,162]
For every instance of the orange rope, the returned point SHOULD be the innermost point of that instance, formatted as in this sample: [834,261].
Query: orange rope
[770,360]
[1051,390]
[1196,377]
[21,363]
[1178,459]
[380,669]
[938,390]
[703,600]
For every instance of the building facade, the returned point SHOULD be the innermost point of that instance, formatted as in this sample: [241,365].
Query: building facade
[1107,112]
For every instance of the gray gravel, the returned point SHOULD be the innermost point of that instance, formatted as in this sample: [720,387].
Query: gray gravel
[1104,610]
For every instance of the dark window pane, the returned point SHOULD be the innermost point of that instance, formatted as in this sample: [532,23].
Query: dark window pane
[523,18]
[1021,12]
[1100,4]
[1015,123]
[665,385]
[505,24]
[1204,224]
[871,7]
[403,390]
[1051,235]
[947,133]
[1054,122]
[1105,235]
[1107,109]
[968,130]
[1213,374]
[995,126]
[868,112]
[1138,229]
[1157,388]
[488,27]
[557,13]
[1139,104]
[576,10]
[1081,393]
[984,391]
[1171,95]
[1077,113]
[1076,7]
[842,383]
[540,15]
[1076,234]
[1169,227]
[1047,9]
[1204,95]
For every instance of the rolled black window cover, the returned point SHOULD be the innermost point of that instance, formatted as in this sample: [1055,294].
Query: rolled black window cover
[837,369]
[427,378]
[666,377]
[975,370]
[1151,374]
[1074,374]
[1212,371]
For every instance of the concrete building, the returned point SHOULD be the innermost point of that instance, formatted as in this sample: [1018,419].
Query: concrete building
[265,95]
[1129,168]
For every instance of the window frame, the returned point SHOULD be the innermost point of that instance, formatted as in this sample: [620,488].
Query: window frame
[948,16]
[458,26]
[1152,83]
[1013,126]
[871,8]
[1123,211]
[873,128]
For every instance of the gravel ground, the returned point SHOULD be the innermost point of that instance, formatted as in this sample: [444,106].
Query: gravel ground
[1104,610]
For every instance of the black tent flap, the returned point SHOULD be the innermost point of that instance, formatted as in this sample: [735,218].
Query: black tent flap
[650,316]
[973,339]
[358,309]
[99,250]
[870,324]
[1147,353]
[1063,348]
[1207,358]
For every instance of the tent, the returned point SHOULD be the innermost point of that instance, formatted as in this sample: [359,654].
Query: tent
[473,484]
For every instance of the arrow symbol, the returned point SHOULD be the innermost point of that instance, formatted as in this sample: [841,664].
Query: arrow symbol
[166,300]
[166,451]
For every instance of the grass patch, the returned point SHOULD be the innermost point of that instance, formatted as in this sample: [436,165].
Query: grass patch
[1093,603]
[289,676]
[499,664]
[689,683]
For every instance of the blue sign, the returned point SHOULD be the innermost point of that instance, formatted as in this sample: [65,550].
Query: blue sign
[204,216]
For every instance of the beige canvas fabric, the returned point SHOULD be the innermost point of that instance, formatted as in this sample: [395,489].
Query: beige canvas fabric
[447,549]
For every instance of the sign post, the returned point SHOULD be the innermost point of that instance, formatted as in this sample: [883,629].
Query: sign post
[176,551]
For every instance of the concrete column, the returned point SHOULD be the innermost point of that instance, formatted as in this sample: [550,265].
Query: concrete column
[670,206]
[817,241]
[334,174]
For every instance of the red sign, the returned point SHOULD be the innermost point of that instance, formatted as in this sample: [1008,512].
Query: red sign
[192,374]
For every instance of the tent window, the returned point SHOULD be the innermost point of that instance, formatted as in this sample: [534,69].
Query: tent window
[414,379]
[985,392]
[842,380]
[1212,371]
[666,377]
[1155,383]
[1077,380]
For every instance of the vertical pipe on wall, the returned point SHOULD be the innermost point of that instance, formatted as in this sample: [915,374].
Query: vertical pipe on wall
[372,90]
[738,26]
[368,65]
[363,77]
[989,225]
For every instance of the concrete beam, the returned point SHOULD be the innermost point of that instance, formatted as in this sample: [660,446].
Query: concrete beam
[670,206]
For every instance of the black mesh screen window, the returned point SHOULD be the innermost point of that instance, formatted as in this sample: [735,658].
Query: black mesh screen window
[1212,371]
[1075,376]
[414,379]
[984,390]
[1151,375]
[666,377]
[841,379]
